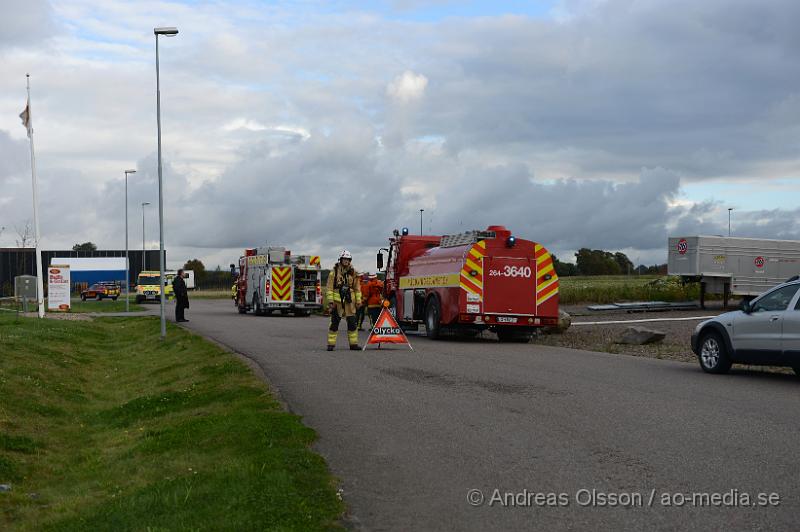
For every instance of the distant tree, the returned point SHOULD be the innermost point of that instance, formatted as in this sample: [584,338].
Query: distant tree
[564,269]
[584,262]
[655,269]
[599,262]
[25,238]
[196,265]
[625,265]
[662,269]
[25,234]
[86,246]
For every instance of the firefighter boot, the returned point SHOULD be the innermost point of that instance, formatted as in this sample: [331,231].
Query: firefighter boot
[331,340]
[352,336]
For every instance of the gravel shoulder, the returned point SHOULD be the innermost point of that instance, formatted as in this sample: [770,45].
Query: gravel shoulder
[675,346]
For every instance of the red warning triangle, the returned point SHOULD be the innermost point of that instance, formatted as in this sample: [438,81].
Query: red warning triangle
[386,331]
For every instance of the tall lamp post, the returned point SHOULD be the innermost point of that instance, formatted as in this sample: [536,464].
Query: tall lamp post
[127,258]
[144,254]
[168,32]
[420,220]
[729,220]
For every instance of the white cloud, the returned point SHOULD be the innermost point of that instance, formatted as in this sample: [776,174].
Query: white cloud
[407,87]
[243,123]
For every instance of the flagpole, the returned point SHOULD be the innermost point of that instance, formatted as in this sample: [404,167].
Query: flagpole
[39,280]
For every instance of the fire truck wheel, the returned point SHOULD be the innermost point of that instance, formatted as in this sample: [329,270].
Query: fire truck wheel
[432,315]
[257,306]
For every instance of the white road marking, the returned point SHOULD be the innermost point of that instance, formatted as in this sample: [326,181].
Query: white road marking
[640,321]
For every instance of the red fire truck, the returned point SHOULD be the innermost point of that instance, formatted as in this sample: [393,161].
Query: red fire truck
[273,280]
[471,281]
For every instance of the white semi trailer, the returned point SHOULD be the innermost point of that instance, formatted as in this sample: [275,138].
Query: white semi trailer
[736,266]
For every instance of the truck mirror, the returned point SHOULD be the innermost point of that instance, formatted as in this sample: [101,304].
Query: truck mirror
[380,261]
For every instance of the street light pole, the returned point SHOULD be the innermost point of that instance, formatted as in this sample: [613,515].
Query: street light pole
[144,254]
[127,257]
[729,220]
[169,32]
[420,220]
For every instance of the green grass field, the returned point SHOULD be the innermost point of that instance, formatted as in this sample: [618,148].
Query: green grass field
[78,306]
[609,289]
[105,305]
[104,427]
[618,288]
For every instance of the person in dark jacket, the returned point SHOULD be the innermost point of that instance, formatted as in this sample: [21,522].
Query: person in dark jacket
[181,296]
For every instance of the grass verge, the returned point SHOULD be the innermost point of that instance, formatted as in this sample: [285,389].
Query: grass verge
[78,306]
[103,427]
[104,305]
[610,288]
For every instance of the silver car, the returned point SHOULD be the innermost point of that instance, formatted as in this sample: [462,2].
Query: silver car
[766,331]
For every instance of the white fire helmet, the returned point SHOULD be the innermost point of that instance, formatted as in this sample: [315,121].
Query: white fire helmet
[345,255]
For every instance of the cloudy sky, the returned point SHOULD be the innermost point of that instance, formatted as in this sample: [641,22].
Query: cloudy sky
[587,123]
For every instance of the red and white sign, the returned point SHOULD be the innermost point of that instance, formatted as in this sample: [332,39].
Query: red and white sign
[683,246]
[387,331]
[58,287]
[759,262]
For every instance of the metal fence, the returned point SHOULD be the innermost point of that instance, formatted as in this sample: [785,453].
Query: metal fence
[12,304]
[214,280]
[22,261]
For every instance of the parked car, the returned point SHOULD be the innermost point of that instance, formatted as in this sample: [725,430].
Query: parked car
[766,331]
[100,291]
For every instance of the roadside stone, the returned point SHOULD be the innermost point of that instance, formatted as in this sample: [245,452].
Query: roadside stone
[641,336]
[5,488]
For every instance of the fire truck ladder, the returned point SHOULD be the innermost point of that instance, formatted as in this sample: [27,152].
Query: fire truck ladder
[462,239]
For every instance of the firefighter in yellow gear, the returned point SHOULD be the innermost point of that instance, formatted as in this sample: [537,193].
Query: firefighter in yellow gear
[343,297]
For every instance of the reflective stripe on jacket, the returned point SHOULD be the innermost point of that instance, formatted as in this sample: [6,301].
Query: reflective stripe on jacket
[337,277]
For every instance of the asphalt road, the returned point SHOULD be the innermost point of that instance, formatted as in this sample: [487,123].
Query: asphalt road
[409,434]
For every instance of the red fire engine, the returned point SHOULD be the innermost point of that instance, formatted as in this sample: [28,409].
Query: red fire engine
[471,281]
[273,280]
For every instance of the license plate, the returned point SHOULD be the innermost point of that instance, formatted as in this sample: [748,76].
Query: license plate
[506,319]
